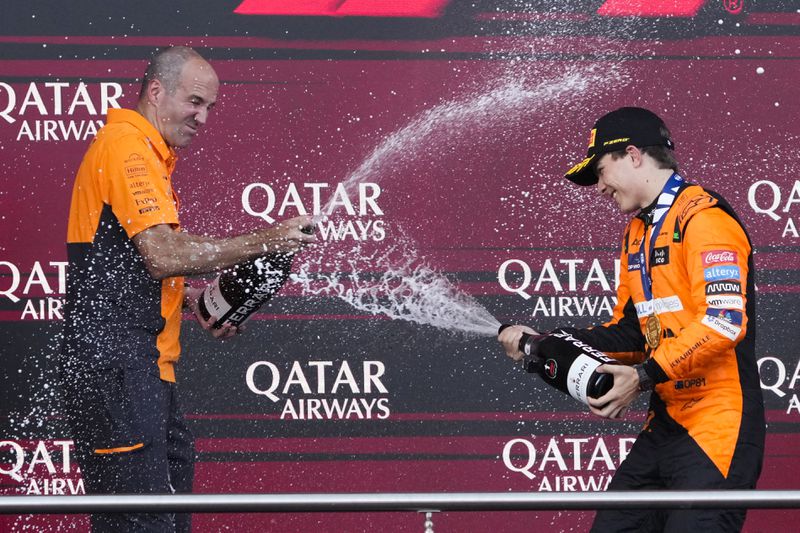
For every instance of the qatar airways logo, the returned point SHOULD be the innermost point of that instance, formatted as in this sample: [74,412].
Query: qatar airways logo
[270,203]
[719,256]
[782,379]
[40,467]
[45,111]
[777,201]
[565,284]
[39,295]
[322,390]
[567,464]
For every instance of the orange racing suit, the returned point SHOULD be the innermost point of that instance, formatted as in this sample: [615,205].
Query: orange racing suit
[707,389]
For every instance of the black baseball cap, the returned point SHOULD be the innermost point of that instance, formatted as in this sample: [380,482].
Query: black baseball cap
[615,131]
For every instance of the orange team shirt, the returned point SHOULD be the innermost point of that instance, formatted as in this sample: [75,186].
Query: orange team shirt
[122,187]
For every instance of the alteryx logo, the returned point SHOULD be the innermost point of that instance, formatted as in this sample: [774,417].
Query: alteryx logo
[717,273]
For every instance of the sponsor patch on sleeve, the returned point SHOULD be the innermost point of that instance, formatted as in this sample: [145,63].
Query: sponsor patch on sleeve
[713,257]
[729,301]
[720,272]
[732,316]
[723,287]
[723,327]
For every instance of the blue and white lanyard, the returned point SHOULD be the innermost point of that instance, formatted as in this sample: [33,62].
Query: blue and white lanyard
[665,200]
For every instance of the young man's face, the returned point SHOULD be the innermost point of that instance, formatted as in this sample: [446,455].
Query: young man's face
[616,179]
[181,114]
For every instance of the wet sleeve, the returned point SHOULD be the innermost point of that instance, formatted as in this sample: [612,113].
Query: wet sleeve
[716,252]
[138,188]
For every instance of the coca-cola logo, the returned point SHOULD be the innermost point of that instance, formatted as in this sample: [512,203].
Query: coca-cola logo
[719,256]
[550,368]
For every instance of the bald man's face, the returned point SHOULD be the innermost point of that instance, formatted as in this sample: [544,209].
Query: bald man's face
[180,115]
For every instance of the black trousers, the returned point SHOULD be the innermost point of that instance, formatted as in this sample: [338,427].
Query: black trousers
[659,461]
[130,438]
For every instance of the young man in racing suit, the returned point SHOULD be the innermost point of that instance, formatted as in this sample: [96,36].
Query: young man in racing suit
[684,322]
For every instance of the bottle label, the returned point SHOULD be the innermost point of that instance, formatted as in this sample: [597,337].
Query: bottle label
[579,375]
[215,302]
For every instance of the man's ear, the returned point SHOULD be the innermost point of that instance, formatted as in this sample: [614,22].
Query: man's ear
[154,92]
[636,155]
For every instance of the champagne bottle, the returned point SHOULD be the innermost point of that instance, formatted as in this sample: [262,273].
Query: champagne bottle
[566,363]
[238,292]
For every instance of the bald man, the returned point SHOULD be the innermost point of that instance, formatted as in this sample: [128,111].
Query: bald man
[125,291]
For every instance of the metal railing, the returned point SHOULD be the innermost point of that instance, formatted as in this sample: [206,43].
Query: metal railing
[419,502]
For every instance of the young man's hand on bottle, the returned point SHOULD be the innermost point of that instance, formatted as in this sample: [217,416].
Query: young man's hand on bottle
[615,403]
[510,338]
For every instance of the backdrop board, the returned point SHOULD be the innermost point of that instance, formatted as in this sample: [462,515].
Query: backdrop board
[454,123]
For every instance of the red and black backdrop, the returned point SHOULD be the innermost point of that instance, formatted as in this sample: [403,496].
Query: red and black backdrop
[475,109]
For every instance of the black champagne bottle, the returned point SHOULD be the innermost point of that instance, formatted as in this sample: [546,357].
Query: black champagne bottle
[566,363]
[238,292]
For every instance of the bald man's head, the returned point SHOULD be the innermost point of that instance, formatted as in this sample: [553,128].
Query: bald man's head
[178,92]
[166,66]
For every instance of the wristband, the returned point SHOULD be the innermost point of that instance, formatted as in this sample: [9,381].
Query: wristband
[645,381]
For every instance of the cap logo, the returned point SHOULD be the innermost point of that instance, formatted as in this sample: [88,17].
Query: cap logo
[592,135]
[615,141]
[577,168]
